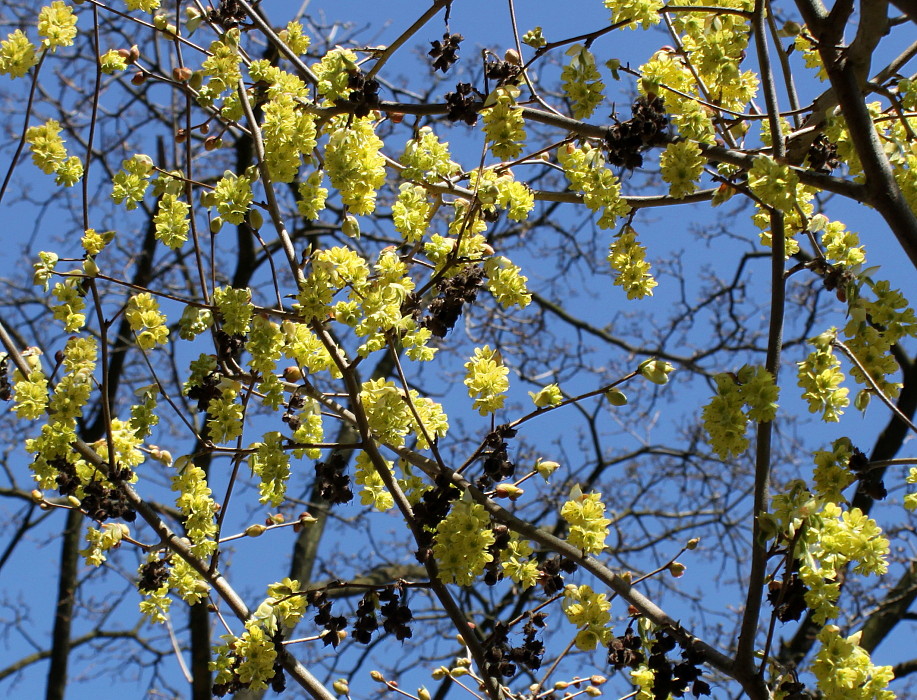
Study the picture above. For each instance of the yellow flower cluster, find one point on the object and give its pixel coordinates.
(462, 541)
(585, 170)
(585, 514)
(681, 164)
(591, 612)
(17, 55)
(354, 163)
(146, 321)
(485, 377)
(50, 155)
(582, 82)
(57, 25)
(628, 259)
(504, 126)
(271, 463)
(821, 378)
(196, 504)
(725, 421)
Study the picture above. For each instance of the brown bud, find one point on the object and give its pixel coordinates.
(125, 54)
(292, 374)
(182, 74)
(181, 136)
(396, 117)
(138, 78)
(212, 143)
(134, 54)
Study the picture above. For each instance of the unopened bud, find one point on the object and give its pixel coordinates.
(307, 519)
(561, 685)
(134, 54)
(90, 269)
(216, 223)
(508, 491)
(182, 74)
(616, 397)
(396, 117)
(341, 686)
(292, 374)
(692, 543)
(656, 371)
(350, 227)
(37, 496)
(597, 680)
(255, 530)
(592, 691)
(423, 694)
(138, 78)
(377, 676)
(677, 569)
(512, 56)
(255, 219)
(546, 468)
(74, 501)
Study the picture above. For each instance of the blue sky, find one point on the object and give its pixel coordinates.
(29, 576)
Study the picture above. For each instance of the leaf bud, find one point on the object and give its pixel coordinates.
(255, 530)
(861, 401)
(134, 54)
(306, 518)
(377, 676)
(74, 501)
(138, 78)
(182, 75)
(160, 22)
(592, 691)
(512, 56)
(37, 496)
(597, 680)
(692, 543)
(216, 223)
(212, 143)
(423, 694)
(561, 685)
(677, 569)
(341, 686)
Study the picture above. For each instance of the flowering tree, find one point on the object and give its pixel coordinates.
(282, 263)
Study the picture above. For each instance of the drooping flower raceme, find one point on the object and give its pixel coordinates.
(628, 259)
